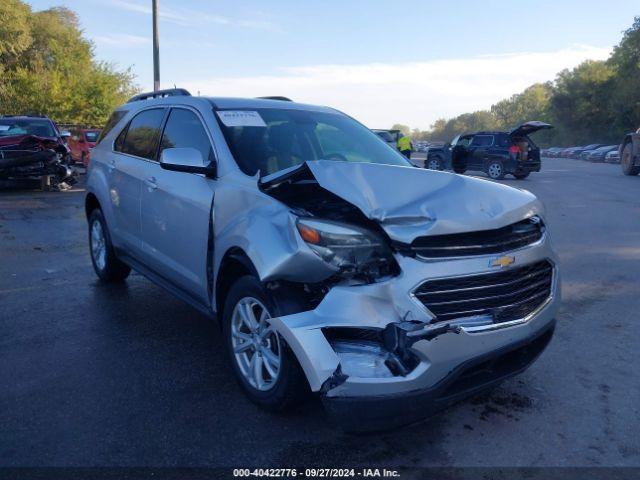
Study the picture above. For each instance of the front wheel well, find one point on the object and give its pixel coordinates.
(90, 204)
(234, 265)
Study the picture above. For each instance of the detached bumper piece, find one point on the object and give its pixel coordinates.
(376, 413)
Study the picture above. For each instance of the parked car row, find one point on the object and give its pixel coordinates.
(596, 152)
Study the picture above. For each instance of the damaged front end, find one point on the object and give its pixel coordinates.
(27, 159)
(395, 332)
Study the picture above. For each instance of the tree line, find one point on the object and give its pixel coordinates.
(596, 102)
(47, 67)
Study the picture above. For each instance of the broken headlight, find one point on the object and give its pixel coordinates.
(353, 250)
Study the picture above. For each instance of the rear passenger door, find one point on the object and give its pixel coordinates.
(176, 209)
(479, 151)
(133, 149)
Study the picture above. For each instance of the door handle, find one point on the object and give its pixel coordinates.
(150, 182)
(111, 164)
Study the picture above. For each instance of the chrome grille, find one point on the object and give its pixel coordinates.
(506, 295)
(511, 237)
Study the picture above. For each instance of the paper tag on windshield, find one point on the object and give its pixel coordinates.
(4, 128)
(241, 118)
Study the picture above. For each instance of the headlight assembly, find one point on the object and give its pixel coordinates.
(352, 250)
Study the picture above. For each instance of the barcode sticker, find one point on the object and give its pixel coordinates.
(241, 118)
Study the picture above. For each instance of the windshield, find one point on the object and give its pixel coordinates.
(92, 136)
(26, 126)
(273, 139)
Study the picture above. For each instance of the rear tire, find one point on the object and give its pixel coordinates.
(105, 263)
(495, 170)
(521, 176)
(253, 347)
(434, 163)
(627, 161)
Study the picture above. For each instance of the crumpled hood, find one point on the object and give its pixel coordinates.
(410, 202)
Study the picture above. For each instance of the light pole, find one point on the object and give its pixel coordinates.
(156, 48)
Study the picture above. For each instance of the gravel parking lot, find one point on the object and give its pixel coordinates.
(95, 375)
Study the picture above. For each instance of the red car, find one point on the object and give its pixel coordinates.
(82, 140)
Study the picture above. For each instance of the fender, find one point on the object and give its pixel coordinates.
(97, 185)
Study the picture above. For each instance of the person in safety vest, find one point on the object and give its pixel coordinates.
(404, 145)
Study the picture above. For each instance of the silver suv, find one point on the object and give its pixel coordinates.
(332, 264)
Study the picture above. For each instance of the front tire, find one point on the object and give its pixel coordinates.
(262, 362)
(495, 170)
(627, 161)
(105, 263)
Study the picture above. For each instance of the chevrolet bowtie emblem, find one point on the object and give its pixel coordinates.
(502, 262)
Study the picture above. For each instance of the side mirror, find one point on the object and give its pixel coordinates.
(65, 134)
(187, 160)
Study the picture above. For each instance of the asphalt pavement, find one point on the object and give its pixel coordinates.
(98, 375)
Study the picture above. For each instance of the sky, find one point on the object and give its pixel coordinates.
(382, 62)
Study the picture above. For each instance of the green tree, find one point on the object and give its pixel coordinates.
(580, 106)
(405, 129)
(52, 70)
(624, 91)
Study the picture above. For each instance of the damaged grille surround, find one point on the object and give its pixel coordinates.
(491, 299)
(485, 242)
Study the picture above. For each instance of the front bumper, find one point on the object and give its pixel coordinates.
(379, 412)
(441, 360)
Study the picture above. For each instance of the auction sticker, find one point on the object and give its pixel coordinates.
(241, 118)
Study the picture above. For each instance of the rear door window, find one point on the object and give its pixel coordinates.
(143, 134)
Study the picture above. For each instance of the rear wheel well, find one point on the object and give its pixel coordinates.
(90, 204)
(234, 265)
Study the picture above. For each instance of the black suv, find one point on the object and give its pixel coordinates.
(495, 153)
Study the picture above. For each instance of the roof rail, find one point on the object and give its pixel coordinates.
(170, 92)
(282, 99)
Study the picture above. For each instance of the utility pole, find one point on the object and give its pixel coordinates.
(156, 48)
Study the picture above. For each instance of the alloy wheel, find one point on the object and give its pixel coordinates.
(434, 165)
(256, 345)
(98, 245)
(495, 170)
